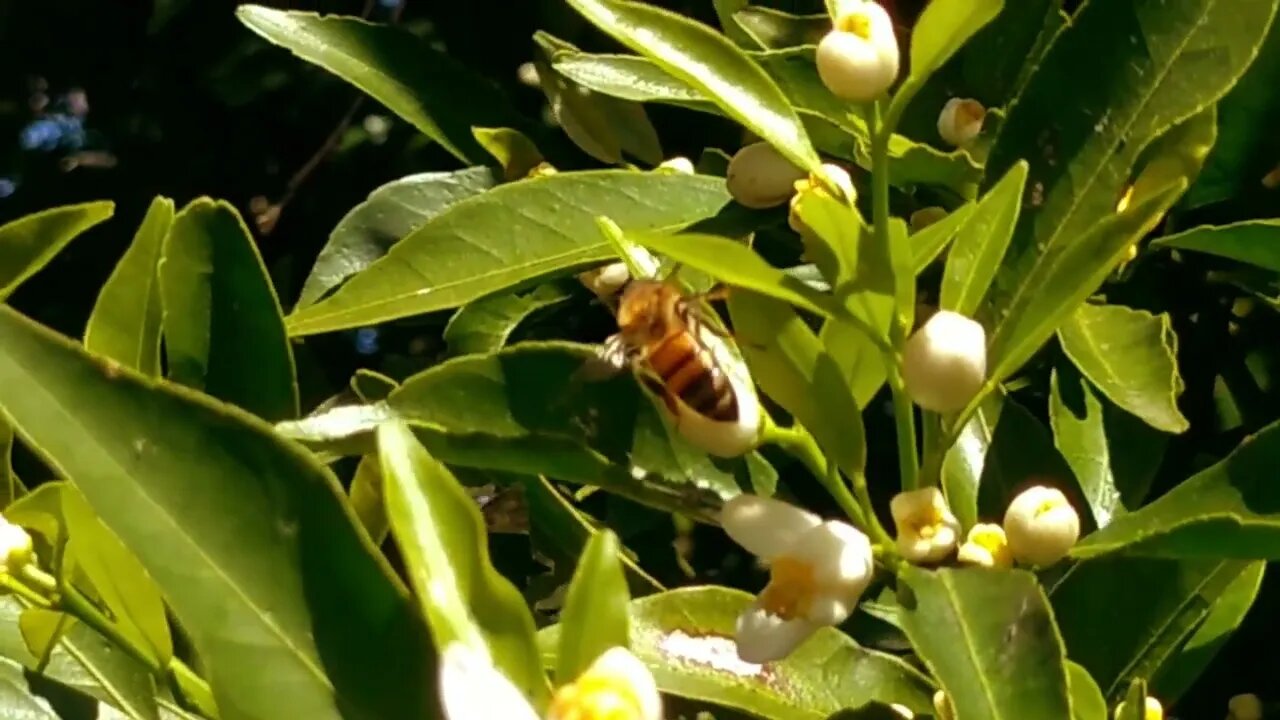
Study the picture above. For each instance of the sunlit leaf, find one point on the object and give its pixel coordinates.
(1256, 242)
(943, 28)
(595, 617)
(29, 243)
(980, 243)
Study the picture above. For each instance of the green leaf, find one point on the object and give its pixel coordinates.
(367, 499)
(391, 213)
(685, 636)
(1131, 356)
(126, 320)
(980, 243)
(1256, 242)
(371, 386)
(1229, 510)
(1087, 702)
(1223, 616)
(1149, 608)
(775, 30)
(965, 461)
(10, 485)
(29, 243)
(514, 152)
(484, 325)
(17, 701)
(975, 628)
(41, 629)
(706, 60)
(164, 468)
(1165, 63)
(512, 235)
(120, 580)
(223, 331)
(943, 28)
(1134, 702)
(441, 534)
(427, 87)
(929, 242)
(595, 617)
(1114, 455)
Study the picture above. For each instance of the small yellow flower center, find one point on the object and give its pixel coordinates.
(790, 590)
(595, 696)
(856, 23)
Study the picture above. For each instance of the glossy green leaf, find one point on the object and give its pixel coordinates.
(391, 213)
(980, 243)
(725, 10)
(10, 485)
(1114, 455)
(367, 499)
(514, 152)
(1087, 702)
(484, 325)
(1165, 62)
(1256, 242)
(706, 60)
(512, 235)
(793, 368)
(976, 628)
(775, 30)
(126, 320)
(223, 331)
(685, 636)
(1148, 607)
(441, 534)
(1223, 616)
(595, 616)
(120, 580)
(29, 243)
(929, 242)
(965, 461)
(1230, 510)
(943, 28)
(41, 629)
(428, 88)
(164, 468)
(1131, 356)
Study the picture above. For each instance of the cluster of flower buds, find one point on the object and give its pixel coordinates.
(944, 363)
(858, 60)
(1040, 528)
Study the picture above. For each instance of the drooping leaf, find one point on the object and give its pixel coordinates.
(126, 320)
(703, 58)
(1124, 618)
(510, 236)
(595, 616)
(485, 324)
(1087, 702)
(685, 636)
(1229, 510)
(975, 628)
(223, 328)
(427, 87)
(441, 533)
(164, 468)
(1256, 242)
(943, 28)
(980, 243)
(29, 243)
(391, 213)
(1131, 356)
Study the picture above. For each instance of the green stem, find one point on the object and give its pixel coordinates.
(797, 442)
(17, 587)
(934, 450)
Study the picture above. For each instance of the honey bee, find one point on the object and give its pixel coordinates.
(660, 337)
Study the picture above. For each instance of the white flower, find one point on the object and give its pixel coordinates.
(927, 530)
(1041, 526)
(1244, 707)
(942, 707)
(986, 546)
(835, 175)
(606, 280)
(858, 59)
(945, 362)
(961, 121)
(760, 177)
(616, 685)
(680, 165)
(1152, 710)
(16, 548)
(818, 571)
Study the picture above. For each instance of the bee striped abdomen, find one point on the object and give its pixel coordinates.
(691, 373)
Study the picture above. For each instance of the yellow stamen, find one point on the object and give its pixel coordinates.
(790, 590)
(595, 697)
(856, 23)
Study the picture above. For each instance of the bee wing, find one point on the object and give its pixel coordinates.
(612, 358)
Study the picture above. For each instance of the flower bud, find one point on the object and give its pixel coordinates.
(680, 165)
(760, 177)
(942, 707)
(1151, 710)
(1041, 526)
(986, 546)
(945, 362)
(926, 216)
(927, 531)
(961, 121)
(16, 549)
(1244, 707)
(858, 59)
(835, 175)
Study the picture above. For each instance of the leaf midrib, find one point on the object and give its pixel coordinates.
(970, 645)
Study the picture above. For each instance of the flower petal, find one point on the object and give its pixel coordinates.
(764, 526)
(471, 688)
(840, 556)
(620, 663)
(763, 637)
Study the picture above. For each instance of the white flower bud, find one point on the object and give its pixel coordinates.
(945, 362)
(1151, 710)
(1244, 707)
(927, 531)
(760, 177)
(606, 280)
(16, 549)
(961, 121)
(986, 546)
(858, 59)
(680, 165)
(835, 175)
(1041, 526)
(942, 709)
